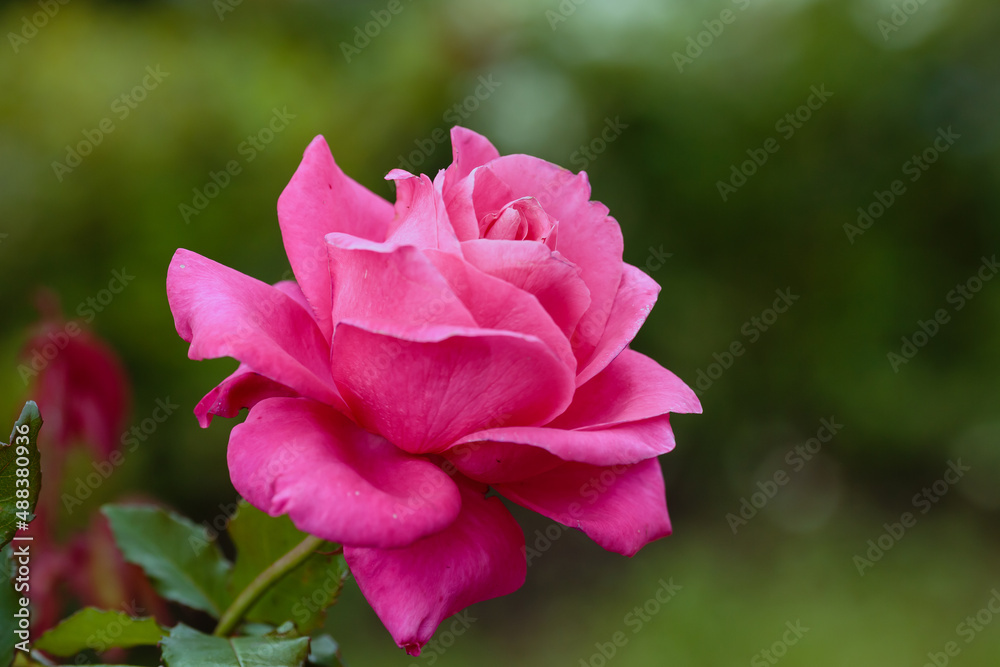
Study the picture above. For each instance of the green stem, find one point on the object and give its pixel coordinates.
(263, 581)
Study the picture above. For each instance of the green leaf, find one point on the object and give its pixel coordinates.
(303, 594)
(324, 652)
(99, 631)
(182, 564)
(189, 648)
(20, 454)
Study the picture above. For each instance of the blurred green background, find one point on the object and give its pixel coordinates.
(558, 74)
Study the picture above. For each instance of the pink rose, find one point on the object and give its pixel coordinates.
(473, 336)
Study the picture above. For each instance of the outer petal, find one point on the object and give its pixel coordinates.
(494, 461)
(424, 392)
(588, 236)
(224, 313)
(532, 267)
(242, 389)
(319, 200)
(630, 388)
(622, 508)
(619, 417)
(421, 219)
(498, 455)
(635, 298)
(413, 589)
(336, 481)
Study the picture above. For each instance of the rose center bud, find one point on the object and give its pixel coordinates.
(520, 220)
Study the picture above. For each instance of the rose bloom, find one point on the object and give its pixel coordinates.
(472, 337)
(79, 383)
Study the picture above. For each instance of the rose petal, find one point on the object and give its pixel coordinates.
(588, 236)
(470, 199)
(619, 417)
(622, 508)
(470, 150)
(496, 457)
(321, 199)
(335, 480)
(630, 388)
(291, 289)
(633, 302)
(224, 313)
(489, 193)
(245, 388)
(519, 220)
(412, 589)
(496, 304)
(381, 284)
(424, 391)
(242, 389)
(495, 461)
(421, 219)
(532, 267)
